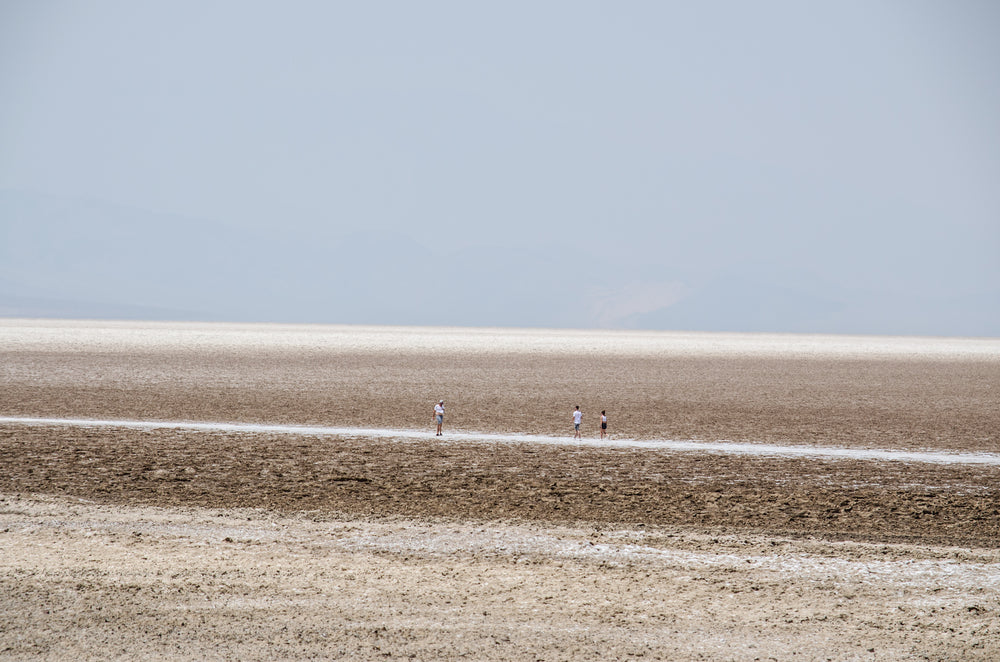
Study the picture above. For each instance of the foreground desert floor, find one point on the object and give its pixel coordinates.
(119, 542)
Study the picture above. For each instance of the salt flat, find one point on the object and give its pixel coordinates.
(273, 492)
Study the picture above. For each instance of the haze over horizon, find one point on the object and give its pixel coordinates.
(780, 167)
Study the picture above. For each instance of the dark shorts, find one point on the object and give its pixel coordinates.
(576, 426)
(604, 426)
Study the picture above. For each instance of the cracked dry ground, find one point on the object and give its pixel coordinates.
(894, 403)
(842, 499)
(913, 510)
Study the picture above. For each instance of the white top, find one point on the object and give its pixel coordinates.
(439, 410)
(577, 416)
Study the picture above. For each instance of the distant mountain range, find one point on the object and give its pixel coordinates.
(81, 259)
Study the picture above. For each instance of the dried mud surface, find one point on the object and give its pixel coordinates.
(161, 544)
(852, 500)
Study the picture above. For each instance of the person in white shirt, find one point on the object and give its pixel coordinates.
(577, 419)
(439, 416)
(604, 423)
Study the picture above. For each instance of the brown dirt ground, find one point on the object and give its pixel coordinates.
(103, 593)
(851, 500)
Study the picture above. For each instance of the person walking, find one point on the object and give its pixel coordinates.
(439, 416)
(604, 423)
(577, 420)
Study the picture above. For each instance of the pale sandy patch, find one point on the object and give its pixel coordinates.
(116, 582)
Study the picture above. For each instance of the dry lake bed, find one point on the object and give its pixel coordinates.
(231, 492)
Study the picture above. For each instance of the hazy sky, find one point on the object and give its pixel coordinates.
(782, 166)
